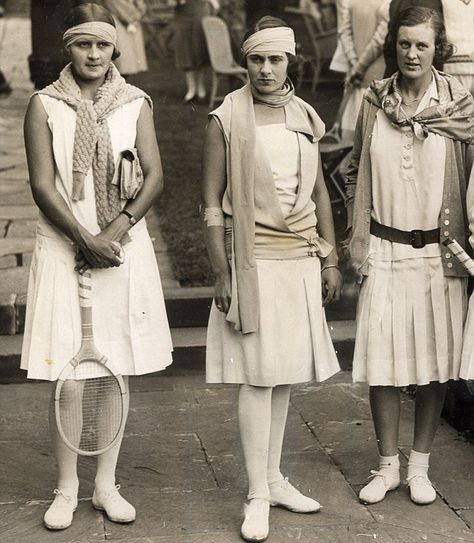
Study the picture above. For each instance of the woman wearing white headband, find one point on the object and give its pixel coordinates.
(267, 328)
(75, 131)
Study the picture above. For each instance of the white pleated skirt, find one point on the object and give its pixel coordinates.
(467, 360)
(409, 324)
(129, 317)
(292, 344)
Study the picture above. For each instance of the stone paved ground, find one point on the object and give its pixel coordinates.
(181, 462)
(181, 465)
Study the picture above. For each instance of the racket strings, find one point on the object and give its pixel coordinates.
(91, 408)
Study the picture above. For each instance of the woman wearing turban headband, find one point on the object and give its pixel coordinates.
(75, 132)
(274, 260)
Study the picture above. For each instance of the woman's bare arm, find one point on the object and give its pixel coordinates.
(331, 277)
(213, 188)
(39, 153)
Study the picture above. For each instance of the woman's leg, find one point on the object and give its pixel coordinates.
(60, 513)
(255, 408)
(191, 84)
(385, 407)
(254, 415)
(106, 496)
(201, 87)
(279, 406)
(282, 493)
(428, 406)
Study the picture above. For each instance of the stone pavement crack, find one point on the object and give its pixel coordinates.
(208, 460)
(160, 473)
(7, 228)
(324, 449)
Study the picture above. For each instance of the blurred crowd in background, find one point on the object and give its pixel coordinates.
(344, 37)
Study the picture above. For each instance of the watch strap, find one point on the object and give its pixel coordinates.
(131, 218)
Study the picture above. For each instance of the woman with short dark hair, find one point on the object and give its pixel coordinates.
(406, 188)
(267, 328)
(75, 132)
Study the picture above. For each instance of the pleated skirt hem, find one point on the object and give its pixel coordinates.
(467, 361)
(409, 324)
(292, 344)
(129, 316)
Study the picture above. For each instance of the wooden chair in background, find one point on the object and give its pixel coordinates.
(314, 44)
(222, 61)
(157, 25)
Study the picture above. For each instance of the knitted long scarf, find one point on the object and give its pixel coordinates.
(452, 118)
(92, 142)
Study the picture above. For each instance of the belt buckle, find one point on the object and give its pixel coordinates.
(417, 239)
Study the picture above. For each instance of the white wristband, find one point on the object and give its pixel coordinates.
(213, 216)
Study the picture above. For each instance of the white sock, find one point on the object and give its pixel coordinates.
(280, 400)
(418, 463)
(389, 463)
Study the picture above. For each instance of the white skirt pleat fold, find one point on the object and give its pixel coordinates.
(409, 323)
(129, 317)
(467, 361)
(292, 344)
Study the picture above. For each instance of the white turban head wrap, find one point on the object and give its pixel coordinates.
(280, 38)
(95, 29)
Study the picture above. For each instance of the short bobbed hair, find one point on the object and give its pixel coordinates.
(268, 21)
(89, 13)
(416, 16)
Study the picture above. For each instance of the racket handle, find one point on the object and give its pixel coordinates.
(460, 254)
(85, 288)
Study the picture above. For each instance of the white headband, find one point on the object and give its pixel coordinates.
(97, 29)
(280, 38)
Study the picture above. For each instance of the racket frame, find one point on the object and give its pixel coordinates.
(88, 353)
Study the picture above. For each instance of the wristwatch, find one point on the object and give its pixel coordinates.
(131, 219)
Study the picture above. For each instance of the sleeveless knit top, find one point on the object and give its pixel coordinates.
(62, 123)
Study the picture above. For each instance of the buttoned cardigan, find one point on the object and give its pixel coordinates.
(358, 177)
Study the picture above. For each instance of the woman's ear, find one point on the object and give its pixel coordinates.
(66, 53)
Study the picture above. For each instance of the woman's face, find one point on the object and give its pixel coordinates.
(91, 58)
(415, 50)
(267, 71)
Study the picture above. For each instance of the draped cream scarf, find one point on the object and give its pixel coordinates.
(243, 312)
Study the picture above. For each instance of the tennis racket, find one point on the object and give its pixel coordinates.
(91, 397)
(460, 254)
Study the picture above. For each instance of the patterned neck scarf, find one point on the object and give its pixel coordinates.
(92, 142)
(452, 118)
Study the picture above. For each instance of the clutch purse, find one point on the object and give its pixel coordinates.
(128, 174)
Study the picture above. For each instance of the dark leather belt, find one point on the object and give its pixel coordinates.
(416, 238)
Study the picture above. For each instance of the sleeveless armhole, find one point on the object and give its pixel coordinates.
(48, 104)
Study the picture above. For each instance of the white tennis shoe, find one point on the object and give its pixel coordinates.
(115, 506)
(60, 512)
(421, 489)
(256, 526)
(382, 481)
(284, 494)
